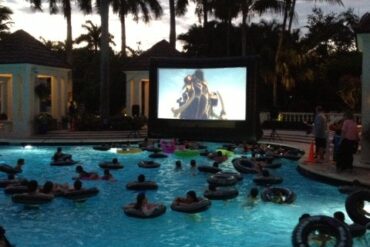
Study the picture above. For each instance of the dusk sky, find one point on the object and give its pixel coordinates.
(53, 27)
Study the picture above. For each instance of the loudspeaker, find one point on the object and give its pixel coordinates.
(135, 110)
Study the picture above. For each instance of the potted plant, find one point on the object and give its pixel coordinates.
(42, 122)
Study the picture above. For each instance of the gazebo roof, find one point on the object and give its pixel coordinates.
(160, 49)
(364, 25)
(21, 47)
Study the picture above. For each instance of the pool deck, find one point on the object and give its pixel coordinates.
(324, 172)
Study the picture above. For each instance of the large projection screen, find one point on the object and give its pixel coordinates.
(202, 94)
(203, 99)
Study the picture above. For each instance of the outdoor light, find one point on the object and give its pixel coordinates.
(28, 146)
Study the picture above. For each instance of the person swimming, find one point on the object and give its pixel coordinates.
(82, 174)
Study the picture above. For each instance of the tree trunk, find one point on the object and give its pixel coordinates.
(123, 34)
(291, 15)
(244, 29)
(67, 15)
(205, 13)
(278, 52)
(104, 60)
(172, 23)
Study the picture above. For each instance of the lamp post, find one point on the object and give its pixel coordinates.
(363, 44)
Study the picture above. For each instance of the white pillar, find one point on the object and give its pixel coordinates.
(363, 40)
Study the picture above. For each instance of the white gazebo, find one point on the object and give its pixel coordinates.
(137, 77)
(25, 63)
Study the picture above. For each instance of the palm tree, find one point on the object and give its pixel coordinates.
(288, 14)
(202, 8)
(92, 37)
(104, 59)
(135, 7)
(226, 10)
(65, 5)
(249, 7)
(5, 20)
(177, 8)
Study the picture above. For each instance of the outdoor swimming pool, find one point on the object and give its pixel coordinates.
(100, 221)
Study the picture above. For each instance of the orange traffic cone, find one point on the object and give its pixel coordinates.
(311, 155)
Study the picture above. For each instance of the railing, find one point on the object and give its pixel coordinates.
(305, 117)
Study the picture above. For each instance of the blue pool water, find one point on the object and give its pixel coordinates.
(100, 221)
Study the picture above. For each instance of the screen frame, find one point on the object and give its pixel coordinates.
(203, 130)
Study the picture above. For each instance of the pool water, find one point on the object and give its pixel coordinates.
(100, 221)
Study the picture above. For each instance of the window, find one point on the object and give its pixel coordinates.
(43, 91)
(3, 98)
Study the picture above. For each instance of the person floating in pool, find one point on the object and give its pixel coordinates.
(107, 175)
(196, 102)
(178, 165)
(60, 156)
(82, 174)
(143, 205)
(193, 167)
(252, 197)
(4, 242)
(12, 170)
(191, 197)
(51, 188)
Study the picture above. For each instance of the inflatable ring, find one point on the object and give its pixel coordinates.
(244, 165)
(102, 148)
(110, 165)
(187, 153)
(129, 150)
(357, 216)
(222, 194)
(9, 169)
(63, 163)
(220, 179)
(146, 185)
(237, 175)
(30, 199)
(325, 224)
(131, 211)
(269, 194)
(4, 183)
(157, 156)
(81, 195)
(209, 169)
(348, 189)
(16, 189)
(271, 165)
(260, 180)
(148, 164)
(152, 149)
(192, 208)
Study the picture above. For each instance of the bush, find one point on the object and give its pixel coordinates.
(44, 122)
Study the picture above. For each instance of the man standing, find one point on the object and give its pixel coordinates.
(321, 133)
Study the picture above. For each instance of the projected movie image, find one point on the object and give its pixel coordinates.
(202, 94)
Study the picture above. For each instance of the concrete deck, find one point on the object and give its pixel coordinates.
(324, 172)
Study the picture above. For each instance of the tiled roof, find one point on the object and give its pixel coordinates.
(21, 47)
(160, 49)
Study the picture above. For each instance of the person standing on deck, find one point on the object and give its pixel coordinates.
(320, 131)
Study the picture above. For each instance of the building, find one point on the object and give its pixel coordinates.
(33, 80)
(137, 77)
